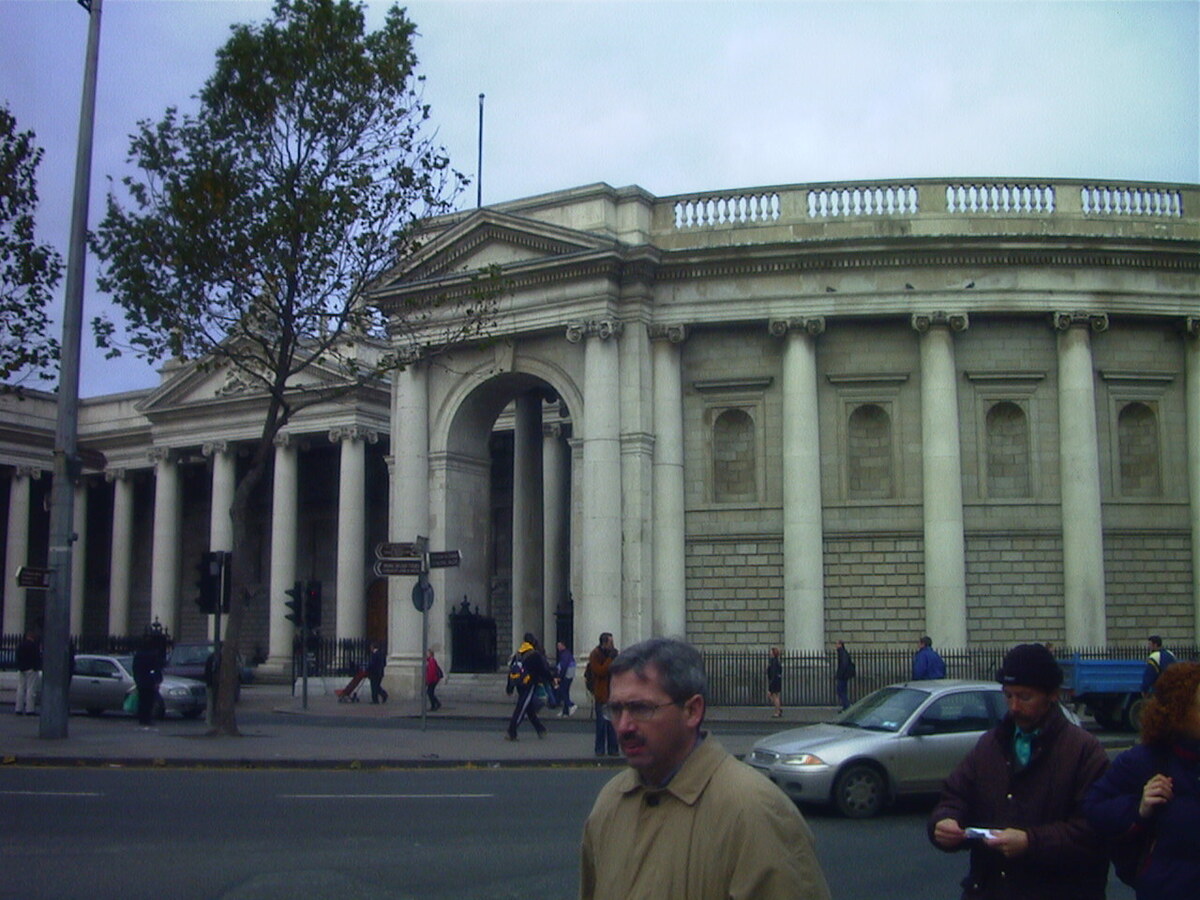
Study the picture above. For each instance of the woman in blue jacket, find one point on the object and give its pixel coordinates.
(1148, 802)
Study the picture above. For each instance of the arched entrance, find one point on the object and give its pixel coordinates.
(505, 480)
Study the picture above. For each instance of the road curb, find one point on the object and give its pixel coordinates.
(69, 762)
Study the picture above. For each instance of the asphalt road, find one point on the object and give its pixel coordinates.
(374, 835)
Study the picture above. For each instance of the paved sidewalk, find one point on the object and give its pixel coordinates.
(278, 731)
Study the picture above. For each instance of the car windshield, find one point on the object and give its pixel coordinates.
(190, 656)
(885, 710)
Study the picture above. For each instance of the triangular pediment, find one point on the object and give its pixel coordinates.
(490, 238)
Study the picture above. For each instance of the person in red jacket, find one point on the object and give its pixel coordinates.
(1016, 800)
(433, 674)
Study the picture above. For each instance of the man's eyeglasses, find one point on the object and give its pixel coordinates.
(638, 710)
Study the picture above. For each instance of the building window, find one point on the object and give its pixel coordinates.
(1008, 470)
(870, 453)
(734, 458)
(1137, 442)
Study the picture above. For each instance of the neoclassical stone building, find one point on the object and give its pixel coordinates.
(780, 415)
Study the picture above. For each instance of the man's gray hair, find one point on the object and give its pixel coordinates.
(679, 665)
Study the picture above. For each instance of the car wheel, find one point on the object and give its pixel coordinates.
(860, 791)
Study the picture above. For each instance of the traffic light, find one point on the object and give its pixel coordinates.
(296, 604)
(312, 605)
(209, 581)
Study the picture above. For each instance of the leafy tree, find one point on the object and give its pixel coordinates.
(256, 226)
(29, 271)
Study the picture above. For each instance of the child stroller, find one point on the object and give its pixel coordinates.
(349, 694)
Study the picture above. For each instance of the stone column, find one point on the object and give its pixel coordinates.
(121, 558)
(220, 523)
(803, 523)
(635, 413)
(527, 583)
(79, 555)
(1079, 468)
(283, 552)
(599, 607)
(408, 518)
(164, 562)
(17, 549)
(1192, 355)
(556, 509)
(941, 464)
(669, 616)
(351, 597)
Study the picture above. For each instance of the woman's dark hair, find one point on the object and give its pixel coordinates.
(1174, 693)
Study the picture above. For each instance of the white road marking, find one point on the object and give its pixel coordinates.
(386, 796)
(50, 794)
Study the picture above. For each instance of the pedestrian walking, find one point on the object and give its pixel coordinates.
(1016, 800)
(147, 676)
(433, 676)
(1156, 663)
(565, 670)
(595, 678)
(29, 675)
(842, 674)
(687, 819)
(376, 663)
(927, 662)
(529, 676)
(775, 683)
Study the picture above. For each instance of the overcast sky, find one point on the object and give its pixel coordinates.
(673, 96)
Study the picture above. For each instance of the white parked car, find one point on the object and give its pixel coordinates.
(902, 739)
(101, 683)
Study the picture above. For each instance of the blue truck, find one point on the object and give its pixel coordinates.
(1109, 689)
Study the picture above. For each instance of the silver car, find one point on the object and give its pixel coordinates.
(101, 683)
(902, 739)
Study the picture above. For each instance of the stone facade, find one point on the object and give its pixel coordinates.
(779, 416)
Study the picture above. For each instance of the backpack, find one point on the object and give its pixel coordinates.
(589, 679)
(517, 676)
(851, 670)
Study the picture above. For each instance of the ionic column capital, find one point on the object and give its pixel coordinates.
(555, 430)
(601, 328)
(29, 472)
(922, 323)
(283, 440)
(212, 448)
(810, 325)
(114, 475)
(353, 433)
(160, 454)
(675, 334)
(1064, 321)
(1191, 327)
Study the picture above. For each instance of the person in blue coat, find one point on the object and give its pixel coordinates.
(1148, 802)
(927, 662)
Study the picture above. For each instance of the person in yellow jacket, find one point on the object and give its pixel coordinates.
(687, 819)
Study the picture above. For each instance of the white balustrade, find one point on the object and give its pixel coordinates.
(1131, 201)
(999, 198)
(866, 200)
(737, 209)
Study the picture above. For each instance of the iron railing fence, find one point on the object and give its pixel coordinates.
(739, 677)
(330, 656)
(106, 644)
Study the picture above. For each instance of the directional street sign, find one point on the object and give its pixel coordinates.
(396, 550)
(33, 577)
(441, 559)
(384, 567)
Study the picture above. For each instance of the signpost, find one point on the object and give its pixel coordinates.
(393, 559)
(33, 577)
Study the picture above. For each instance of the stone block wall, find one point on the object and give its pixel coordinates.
(875, 590)
(1148, 580)
(735, 592)
(1014, 588)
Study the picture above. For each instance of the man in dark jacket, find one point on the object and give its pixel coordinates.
(1023, 784)
(927, 662)
(147, 675)
(845, 671)
(534, 672)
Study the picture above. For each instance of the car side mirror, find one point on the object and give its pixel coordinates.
(922, 728)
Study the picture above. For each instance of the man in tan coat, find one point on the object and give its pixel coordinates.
(686, 819)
